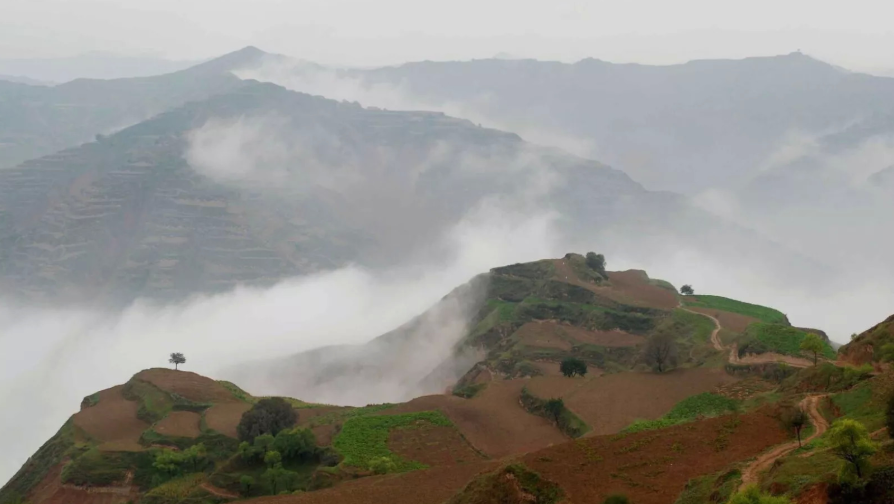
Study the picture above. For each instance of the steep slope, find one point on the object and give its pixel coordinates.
(37, 120)
(866, 347)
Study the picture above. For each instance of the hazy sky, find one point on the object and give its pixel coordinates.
(357, 32)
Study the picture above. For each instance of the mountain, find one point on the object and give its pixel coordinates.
(18, 79)
(708, 423)
(867, 347)
(91, 65)
(38, 120)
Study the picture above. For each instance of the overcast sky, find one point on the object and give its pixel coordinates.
(857, 33)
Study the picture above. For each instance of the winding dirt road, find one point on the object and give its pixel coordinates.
(810, 405)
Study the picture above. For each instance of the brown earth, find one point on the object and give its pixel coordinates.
(810, 404)
(652, 467)
(746, 388)
(430, 486)
(180, 424)
(630, 287)
(50, 490)
(224, 417)
(816, 494)
(550, 368)
(542, 335)
(324, 434)
(609, 403)
(189, 385)
(308, 416)
(551, 334)
(113, 422)
(433, 445)
(731, 321)
(493, 421)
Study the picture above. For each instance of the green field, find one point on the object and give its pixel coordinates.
(365, 438)
(705, 404)
(782, 339)
(759, 312)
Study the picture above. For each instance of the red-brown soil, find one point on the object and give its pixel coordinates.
(189, 385)
(307, 415)
(746, 388)
(431, 486)
(113, 421)
(630, 287)
(324, 434)
(493, 421)
(180, 424)
(551, 334)
(652, 467)
(609, 403)
(51, 491)
(224, 417)
(433, 445)
(731, 321)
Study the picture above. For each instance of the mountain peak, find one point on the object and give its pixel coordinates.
(246, 57)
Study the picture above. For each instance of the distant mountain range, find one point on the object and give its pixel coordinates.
(91, 65)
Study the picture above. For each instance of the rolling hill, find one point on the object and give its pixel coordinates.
(691, 434)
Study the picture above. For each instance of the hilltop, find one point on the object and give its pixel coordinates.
(492, 416)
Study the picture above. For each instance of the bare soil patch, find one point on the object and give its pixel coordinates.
(653, 467)
(550, 368)
(433, 445)
(611, 402)
(308, 415)
(180, 424)
(113, 421)
(542, 334)
(633, 287)
(493, 421)
(324, 434)
(430, 486)
(50, 490)
(730, 321)
(189, 385)
(548, 387)
(224, 417)
(551, 334)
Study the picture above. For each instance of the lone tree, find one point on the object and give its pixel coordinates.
(573, 366)
(555, 407)
(851, 443)
(661, 351)
(596, 262)
(267, 416)
(176, 359)
(813, 344)
(796, 419)
(686, 290)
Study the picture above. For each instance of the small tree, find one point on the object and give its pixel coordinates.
(851, 443)
(246, 482)
(813, 344)
(752, 495)
(176, 359)
(573, 366)
(555, 407)
(596, 262)
(296, 444)
(796, 419)
(273, 459)
(661, 351)
(267, 416)
(687, 290)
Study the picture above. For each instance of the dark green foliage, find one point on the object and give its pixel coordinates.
(468, 391)
(267, 416)
(555, 411)
(95, 468)
(176, 463)
(879, 489)
(572, 366)
(795, 419)
(687, 290)
(176, 359)
(616, 499)
(296, 444)
(246, 483)
(596, 262)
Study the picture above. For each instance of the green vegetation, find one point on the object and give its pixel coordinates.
(572, 366)
(795, 473)
(786, 340)
(468, 391)
(554, 410)
(616, 499)
(687, 410)
(712, 488)
(237, 392)
(753, 495)
(814, 345)
(155, 403)
(687, 290)
(267, 416)
(94, 467)
(596, 262)
(850, 442)
(664, 284)
(826, 377)
(364, 439)
(762, 313)
(795, 419)
(176, 463)
(504, 485)
(700, 326)
(176, 359)
(185, 489)
(889, 416)
(90, 401)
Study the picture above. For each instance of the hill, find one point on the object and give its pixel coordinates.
(693, 434)
(866, 347)
(257, 184)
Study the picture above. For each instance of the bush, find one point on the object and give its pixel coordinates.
(573, 366)
(617, 499)
(752, 495)
(382, 465)
(267, 416)
(554, 410)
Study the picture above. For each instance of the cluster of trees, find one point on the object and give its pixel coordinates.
(572, 366)
(176, 463)
(596, 262)
(293, 445)
(267, 416)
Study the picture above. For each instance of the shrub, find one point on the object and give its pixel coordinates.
(468, 391)
(573, 366)
(382, 465)
(554, 410)
(267, 416)
(752, 495)
(795, 419)
(687, 290)
(617, 499)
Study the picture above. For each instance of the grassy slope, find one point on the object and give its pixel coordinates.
(783, 339)
(687, 410)
(759, 312)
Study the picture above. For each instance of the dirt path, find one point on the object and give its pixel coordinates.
(810, 405)
(219, 492)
